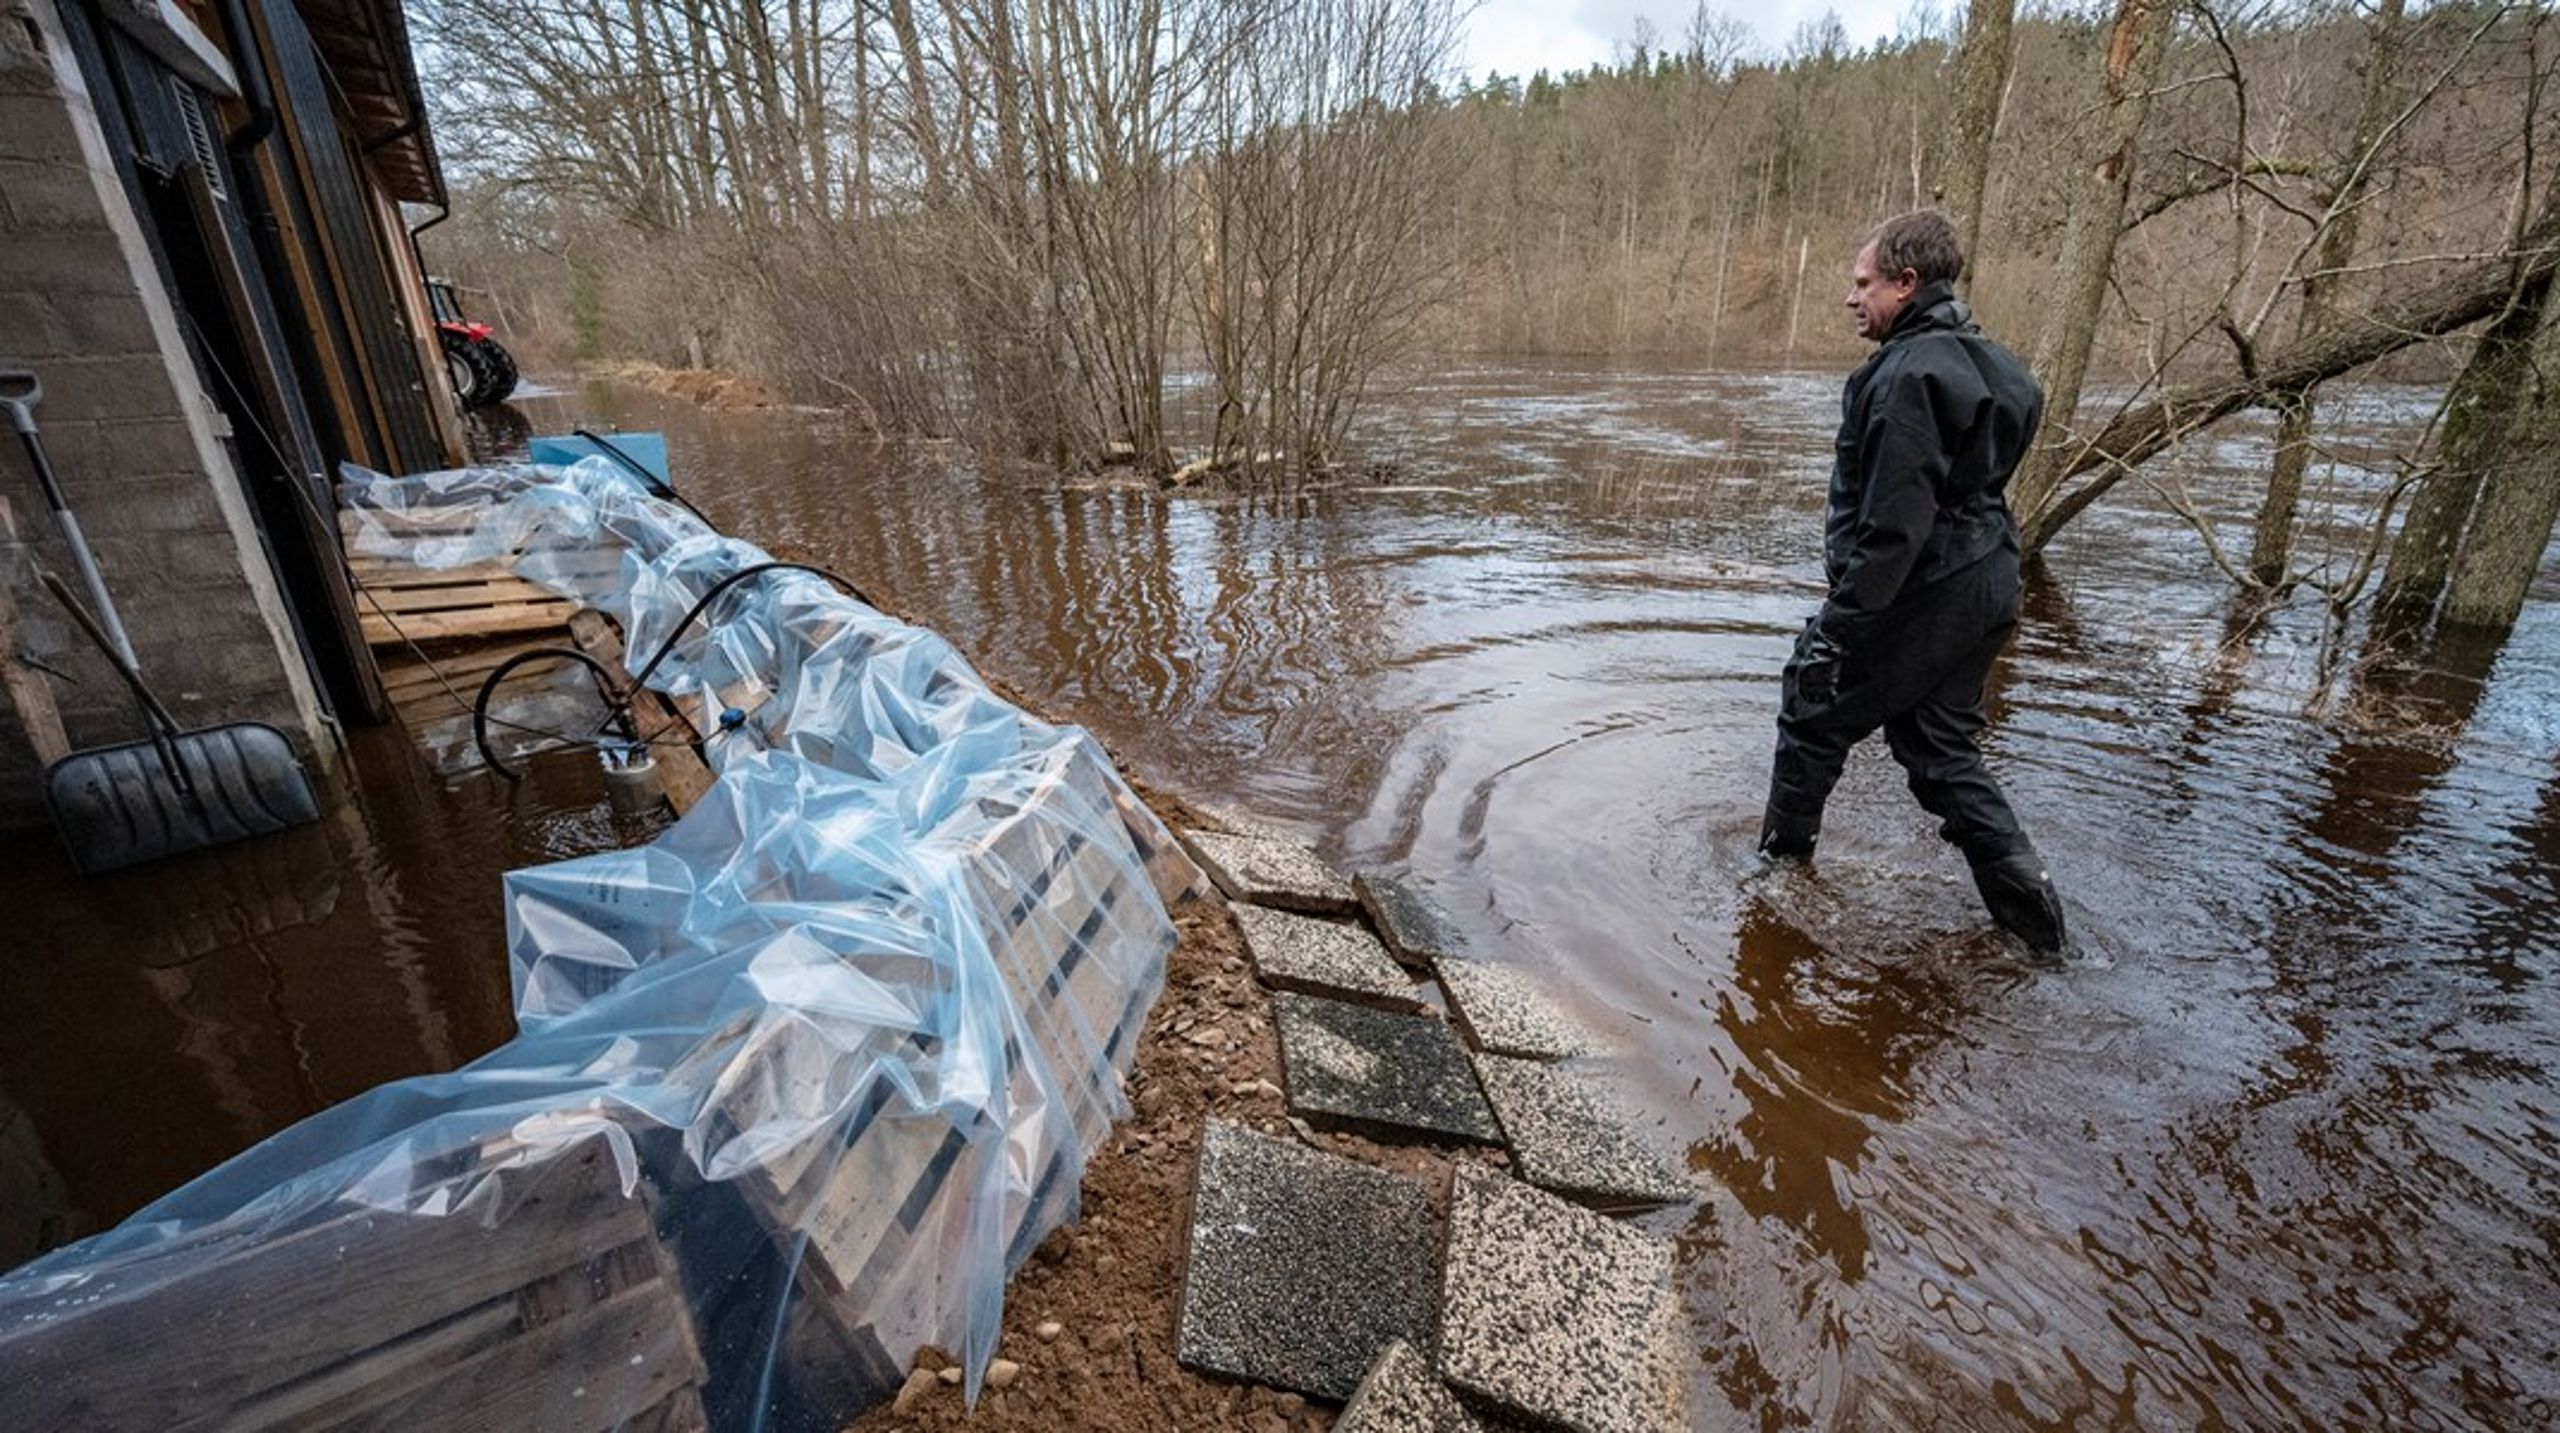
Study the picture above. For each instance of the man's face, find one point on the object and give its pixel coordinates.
(1877, 299)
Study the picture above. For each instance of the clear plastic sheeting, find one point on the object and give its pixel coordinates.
(796, 1085)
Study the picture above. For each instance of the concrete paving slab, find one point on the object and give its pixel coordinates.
(1380, 1072)
(1567, 1135)
(1403, 1394)
(1557, 1316)
(1303, 1266)
(1417, 930)
(1267, 871)
(1500, 1009)
(1236, 822)
(1322, 957)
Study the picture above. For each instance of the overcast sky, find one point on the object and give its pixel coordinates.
(1520, 37)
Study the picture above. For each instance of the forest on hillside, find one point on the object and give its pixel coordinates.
(1025, 222)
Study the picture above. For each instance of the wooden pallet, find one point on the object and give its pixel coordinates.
(858, 1231)
(563, 1312)
(428, 693)
(401, 604)
(673, 746)
(479, 616)
(860, 1204)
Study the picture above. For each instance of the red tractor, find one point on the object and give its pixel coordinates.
(481, 370)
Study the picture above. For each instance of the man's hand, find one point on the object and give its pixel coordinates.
(1817, 665)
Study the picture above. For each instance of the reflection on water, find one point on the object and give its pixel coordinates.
(160, 1019)
(2278, 1149)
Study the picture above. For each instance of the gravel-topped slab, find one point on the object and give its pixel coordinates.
(1322, 957)
(1402, 1394)
(1500, 1009)
(1380, 1072)
(1556, 1315)
(1566, 1135)
(1243, 823)
(1303, 1266)
(1418, 932)
(1267, 871)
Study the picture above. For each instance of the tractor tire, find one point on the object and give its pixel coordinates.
(499, 366)
(463, 370)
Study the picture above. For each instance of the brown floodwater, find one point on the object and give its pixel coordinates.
(2280, 1146)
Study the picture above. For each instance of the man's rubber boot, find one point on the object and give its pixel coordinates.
(1786, 836)
(2021, 899)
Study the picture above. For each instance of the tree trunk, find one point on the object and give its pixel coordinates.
(1981, 80)
(861, 197)
(1795, 311)
(920, 117)
(1724, 258)
(2271, 552)
(2135, 44)
(2478, 410)
(2449, 305)
(2519, 499)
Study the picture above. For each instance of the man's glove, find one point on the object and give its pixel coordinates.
(1817, 665)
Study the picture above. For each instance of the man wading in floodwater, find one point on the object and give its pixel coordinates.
(1923, 561)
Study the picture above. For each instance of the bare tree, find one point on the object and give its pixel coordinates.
(1981, 85)
(2478, 409)
(2519, 497)
(2135, 43)
(2143, 430)
(2271, 554)
(1318, 180)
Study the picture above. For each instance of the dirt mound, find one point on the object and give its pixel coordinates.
(710, 387)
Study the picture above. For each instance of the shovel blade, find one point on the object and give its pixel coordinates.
(116, 806)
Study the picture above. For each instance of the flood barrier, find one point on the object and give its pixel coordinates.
(796, 1085)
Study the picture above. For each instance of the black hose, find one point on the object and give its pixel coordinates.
(656, 485)
(640, 678)
(621, 708)
(488, 687)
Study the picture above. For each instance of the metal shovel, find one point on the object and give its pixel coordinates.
(176, 790)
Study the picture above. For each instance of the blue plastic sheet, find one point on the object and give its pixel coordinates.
(796, 1086)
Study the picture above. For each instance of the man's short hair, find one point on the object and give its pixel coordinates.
(1923, 242)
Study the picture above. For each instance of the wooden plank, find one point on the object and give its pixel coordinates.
(374, 571)
(400, 628)
(456, 596)
(30, 695)
(601, 568)
(334, 1391)
(459, 597)
(582, 1374)
(260, 1315)
(434, 704)
(364, 1388)
(682, 775)
(1170, 869)
(448, 520)
(407, 678)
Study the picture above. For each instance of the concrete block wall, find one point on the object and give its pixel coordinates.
(134, 443)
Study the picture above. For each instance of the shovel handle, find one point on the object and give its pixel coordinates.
(161, 722)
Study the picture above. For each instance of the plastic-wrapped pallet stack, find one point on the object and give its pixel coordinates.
(796, 1085)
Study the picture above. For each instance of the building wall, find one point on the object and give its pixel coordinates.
(349, 270)
(409, 281)
(133, 441)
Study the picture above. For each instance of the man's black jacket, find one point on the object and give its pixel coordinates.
(1930, 430)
